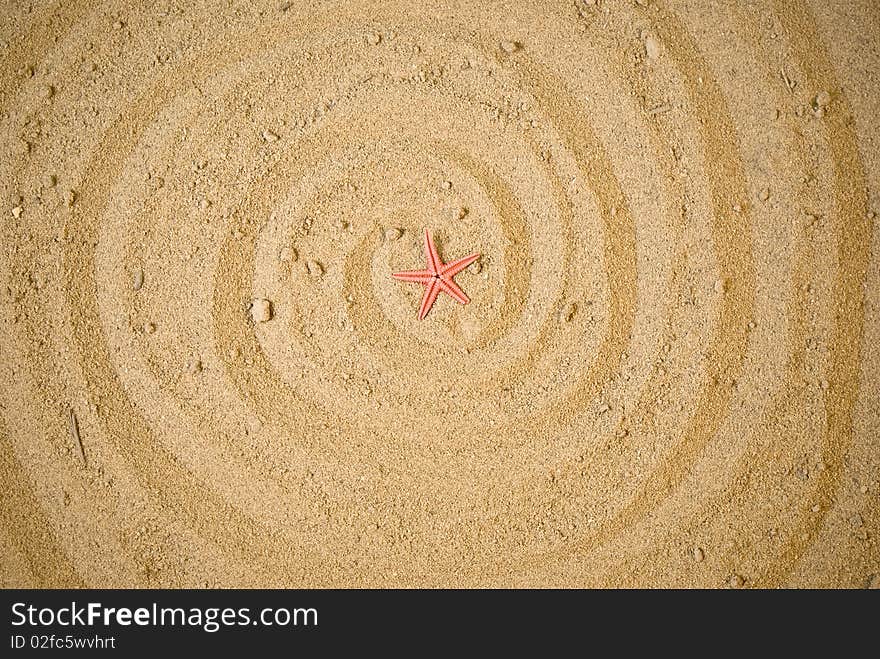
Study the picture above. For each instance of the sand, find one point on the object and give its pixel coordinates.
(669, 373)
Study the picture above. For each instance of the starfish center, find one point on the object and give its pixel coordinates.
(437, 277)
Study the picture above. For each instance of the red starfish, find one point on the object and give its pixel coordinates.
(438, 276)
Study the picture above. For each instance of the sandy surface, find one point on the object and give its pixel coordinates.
(668, 374)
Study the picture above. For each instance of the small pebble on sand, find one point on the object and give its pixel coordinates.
(270, 136)
(462, 212)
(314, 268)
(194, 366)
(446, 185)
(652, 48)
(476, 267)
(764, 194)
(720, 285)
(736, 581)
(16, 212)
(510, 47)
(137, 280)
(261, 310)
(392, 234)
(698, 554)
(373, 38)
(149, 328)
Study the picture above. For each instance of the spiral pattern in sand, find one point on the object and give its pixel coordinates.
(667, 375)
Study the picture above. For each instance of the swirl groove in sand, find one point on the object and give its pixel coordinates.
(667, 374)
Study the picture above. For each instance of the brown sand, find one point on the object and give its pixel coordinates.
(668, 375)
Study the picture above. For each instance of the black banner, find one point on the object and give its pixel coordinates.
(134, 621)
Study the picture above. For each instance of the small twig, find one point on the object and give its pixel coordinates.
(74, 434)
(788, 81)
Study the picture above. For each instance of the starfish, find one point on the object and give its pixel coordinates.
(437, 277)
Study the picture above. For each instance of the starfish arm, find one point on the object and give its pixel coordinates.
(451, 288)
(431, 293)
(434, 262)
(454, 267)
(417, 276)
